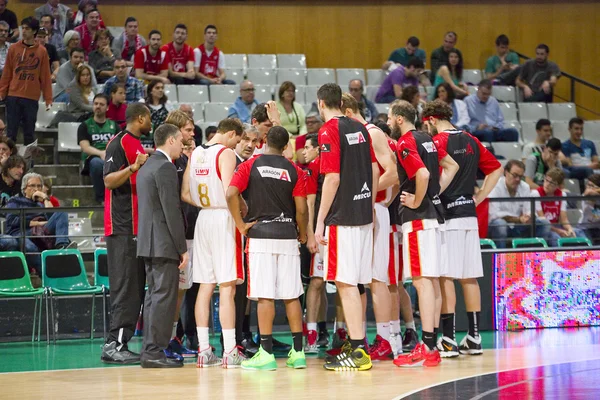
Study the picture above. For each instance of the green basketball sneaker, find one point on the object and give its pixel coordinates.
(262, 361)
(296, 359)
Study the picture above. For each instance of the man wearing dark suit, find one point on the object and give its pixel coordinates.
(161, 244)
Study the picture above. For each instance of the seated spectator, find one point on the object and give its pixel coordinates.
(102, 58)
(538, 76)
(211, 131)
(441, 55)
(93, 135)
(292, 114)
(452, 74)
(313, 124)
(134, 88)
(512, 219)
(66, 74)
(460, 114)
(543, 129)
(391, 88)
(580, 156)
(7, 149)
(591, 209)
(181, 58)
(37, 224)
(10, 18)
(413, 96)
(61, 13)
(404, 54)
(41, 37)
(209, 61)
(539, 163)
(503, 65)
(4, 45)
(87, 30)
(83, 7)
(117, 105)
(125, 46)
(82, 92)
(150, 62)
(71, 41)
(55, 36)
(12, 172)
(47, 189)
(487, 120)
(382, 117)
(555, 212)
(186, 108)
(244, 104)
(357, 90)
(157, 102)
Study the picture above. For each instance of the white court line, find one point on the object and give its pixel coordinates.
(45, 371)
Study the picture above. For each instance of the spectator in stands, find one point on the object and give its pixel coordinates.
(156, 100)
(62, 14)
(209, 61)
(12, 172)
(413, 96)
(117, 105)
(460, 114)
(41, 38)
(134, 88)
(10, 18)
(82, 92)
(186, 108)
(502, 65)
(55, 37)
(7, 149)
(538, 164)
(181, 57)
(539, 76)
(441, 55)
(87, 31)
(83, 7)
(93, 135)
(543, 129)
(487, 120)
(404, 54)
(357, 91)
(26, 74)
(125, 46)
(391, 88)
(580, 155)
(313, 124)
(71, 41)
(512, 219)
(244, 104)
(102, 58)
(292, 113)
(66, 74)
(4, 45)
(211, 131)
(591, 208)
(47, 189)
(452, 74)
(150, 62)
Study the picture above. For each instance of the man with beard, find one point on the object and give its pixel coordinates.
(181, 57)
(538, 76)
(150, 62)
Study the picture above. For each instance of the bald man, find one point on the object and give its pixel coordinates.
(243, 106)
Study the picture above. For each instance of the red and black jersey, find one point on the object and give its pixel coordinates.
(346, 149)
(151, 64)
(469, 154)
(121, 204)
(314, 182)
(272, 182)
(416, 150)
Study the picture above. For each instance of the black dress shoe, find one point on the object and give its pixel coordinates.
(249, 347)
(162, 363)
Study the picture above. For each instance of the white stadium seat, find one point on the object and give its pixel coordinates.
(320, 76)
(591, 130)
(509, 110)
(263, 93)
(224, 93)
(192, 94)
(295, 75)
(382, 108)
(291, 61)
(262, 76)
(375, 77)
(472, 76)
(235, 74)
(236, 61)
(528, 131)
(300, 93)
(509, 150)
(560, 130)
(67, 136)
(171, 93)
(371, 92)
(44, 118)
(310, 93)
(216, 111)
(505, 93)
(561, 111)
(345, 75)
(532, 111)
(262, 61)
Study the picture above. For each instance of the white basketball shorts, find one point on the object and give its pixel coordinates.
(463, 251)
(421, 248)
(349, 254)
(381, 244)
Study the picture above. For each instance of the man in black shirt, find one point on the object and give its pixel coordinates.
(42, 38)
(11, 19)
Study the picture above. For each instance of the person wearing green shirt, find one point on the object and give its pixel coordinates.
(404, 54)
(504, 64)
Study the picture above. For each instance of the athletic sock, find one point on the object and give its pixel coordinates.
(246, 324)
(266, 342)
(203, 341)
(339, 325)
(383, 330)
(297, 338)
(228, 339)
(429, 340)
(174, 330)
(411, 325)
(395, 326)
(322, 326)
(311, 326)
(357, 343)
(473, 324)
(448, 326)
(435, 335)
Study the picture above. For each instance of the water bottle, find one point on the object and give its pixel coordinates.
(216, 320)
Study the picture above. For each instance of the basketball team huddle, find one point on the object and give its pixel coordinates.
(374, 210)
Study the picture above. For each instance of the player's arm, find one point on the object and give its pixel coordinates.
(114, 179)
(302, 218)
(386, 159)
(449, 170)
(185, 187)
(395, 192)
(421, 182)
(238, 184)
(376, 176)
(489, 183)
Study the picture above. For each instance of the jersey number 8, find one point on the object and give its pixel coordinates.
(203, 194)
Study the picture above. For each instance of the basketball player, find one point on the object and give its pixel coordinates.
(217, 251)
(351, 177)
(386, 162)
(462, 235)
(264, 117)
(276, 198)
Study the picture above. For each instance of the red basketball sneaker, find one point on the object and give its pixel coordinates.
(380, 349)
(421, 355)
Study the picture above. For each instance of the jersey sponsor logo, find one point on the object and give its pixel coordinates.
(405, 153)
(461, 201)
(429, 146)
(365, 193)
(102, 137)
(281, 218)
(355, 138)
(202, 171)
(109, 160)
(274, 173)
(467, 150)
(325, 147)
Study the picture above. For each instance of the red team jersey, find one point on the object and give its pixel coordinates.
(180, 59)
(551, 209)
(152, 65)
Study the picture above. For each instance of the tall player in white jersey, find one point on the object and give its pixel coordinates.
(382, 301)
(217, 254)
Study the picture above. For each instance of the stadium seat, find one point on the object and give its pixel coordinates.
(371, 92)
(307, 107)
(262, 61)
(574, 242)
(591, 130)
(375, 77)
(115, 31)
(236, 61)
(561, 111)
(263, 93)
(430, 90)
(192, 94)
(80, 231)
(345, 75)
(513, 124)
(100, 88)
(504, 93)
(509, 110)
(101, 280)
(487, 244)
(300, 93)
(204, 125)
(198, 110)
(216, 111)
(224, 93)
(310, 94)
(529, 242)
(574, 215)
(472, 76)
(295, 75)
(171, 93)
(382, 108)
(508, 150)
(560, 130)
(235, 74)
(572, 186)
(532, 111)
(44, 118)
(67, 136)
(472, 89)
(291, 61)
(320, 76)
(262, 76)
(528, 131)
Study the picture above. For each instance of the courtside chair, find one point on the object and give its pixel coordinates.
(63, 274)
(320, 76)
(505, 93)
(262, 76)
(509, 110)
(291, 61)
(16, 282)
(574, 242)
(345, 75)
(529, 242)
(472, 76)
(224, 93)
(262, 61)
(192, 94)
(532, 111)
(101, 280)
(561, 111)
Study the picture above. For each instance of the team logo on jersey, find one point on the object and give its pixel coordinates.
(355, 138)
(405, 153)
(429, 146)
(109, 160)
(274, 173)
(281, 218)
(202, 171)
(467, 150)
(461, 201)
(325, 147)
(470, 149)
(365, 193)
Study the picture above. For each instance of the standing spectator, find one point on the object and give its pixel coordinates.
(82, 9)
(452, 74)
(357, 91)
(209, 61)
(82, 92)
(186, 108)
(543, 129)
(156, 100)
(391, 88)
(538, 164)
(487, 120)
(61, 14)
(539, 76)
(134, 88)
(244, 104)
(4, 45)
(129, 42)
(66, 74)
(102, 58)
(503, 64)
(26, 74)
(441, 55)
(181, 57)
(460, 114)
(12, 172)
(313, 124)
(71, 41)
(10, 18)
(591, 208)
(87, 31)
(117, 106)
(150, 62)
(55, 37)
(42, 39)
(292, 113)
(404, 54)
(580, 155)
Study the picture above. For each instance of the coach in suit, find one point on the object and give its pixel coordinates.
(161, 243)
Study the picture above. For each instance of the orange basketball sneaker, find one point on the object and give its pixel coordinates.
(421, 355)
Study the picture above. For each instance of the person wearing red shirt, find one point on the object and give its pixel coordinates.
(209, 61)
(181, 58)
(88, 30)
(150, 62)
(117, 106)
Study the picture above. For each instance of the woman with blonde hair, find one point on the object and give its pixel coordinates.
(82, 91)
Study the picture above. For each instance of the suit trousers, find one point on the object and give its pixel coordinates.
(160, 305)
